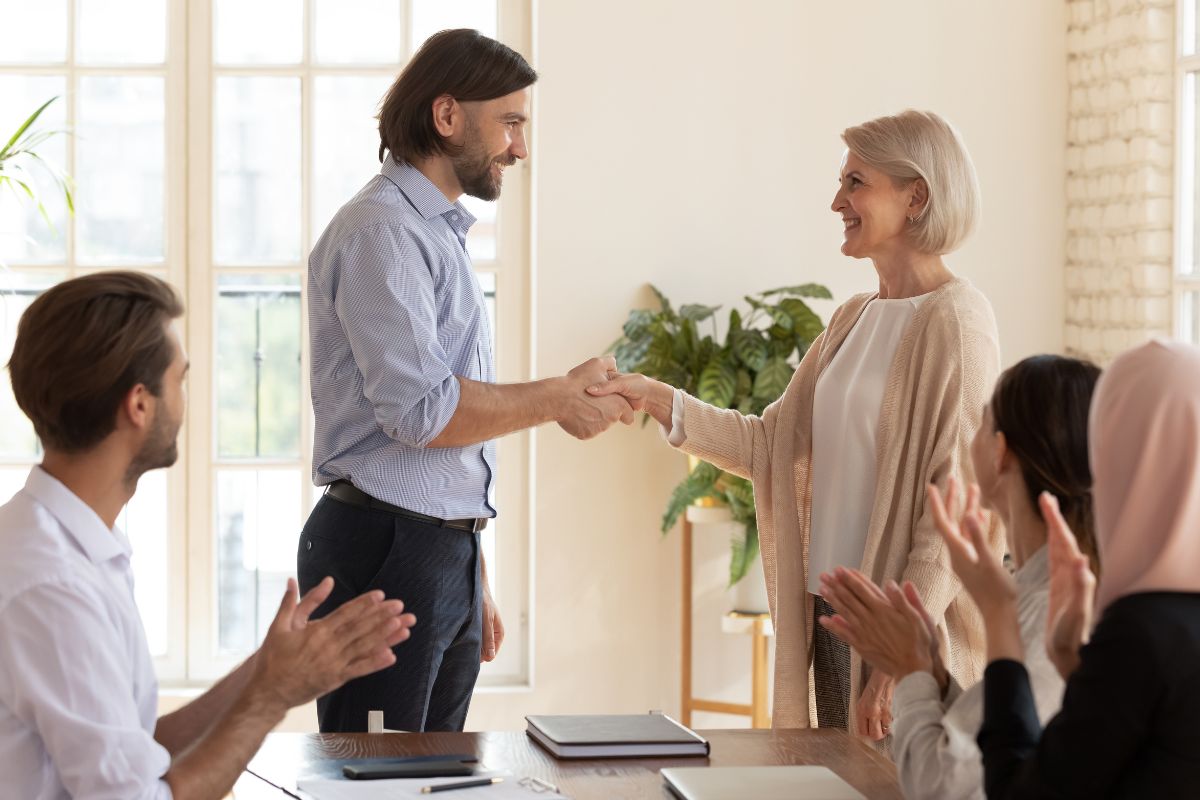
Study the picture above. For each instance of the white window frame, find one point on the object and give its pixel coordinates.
(172, 665)
(1185, 276)
(192, 658)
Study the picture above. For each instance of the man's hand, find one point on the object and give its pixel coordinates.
(493, 627)
(1072, 591)
(302, 659)
(582, 415)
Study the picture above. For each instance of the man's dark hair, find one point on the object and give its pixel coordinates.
(82, 345)
(1041, 406)
(462, 63)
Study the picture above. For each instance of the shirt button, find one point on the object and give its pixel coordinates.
(308, 545)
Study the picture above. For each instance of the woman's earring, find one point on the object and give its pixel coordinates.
(912, 220)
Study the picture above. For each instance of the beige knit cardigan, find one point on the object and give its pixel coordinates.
(941, 376)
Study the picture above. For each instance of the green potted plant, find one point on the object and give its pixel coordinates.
(748, 370)
(20, 153)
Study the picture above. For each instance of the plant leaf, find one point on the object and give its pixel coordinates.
(696, 312)
(805, 321)
(772, 380)
(744, 550)
(803, 290)
(639, 321)
(718, 382)
(699, 483)
(24, 127)
(749, 347)
(735, 321)
(663, 302)
(630, 354)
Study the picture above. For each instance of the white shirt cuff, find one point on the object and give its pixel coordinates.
(675, 435)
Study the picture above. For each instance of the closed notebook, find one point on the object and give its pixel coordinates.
(614, 736)
(760, 783)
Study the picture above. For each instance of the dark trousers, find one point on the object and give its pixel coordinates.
(435, 571)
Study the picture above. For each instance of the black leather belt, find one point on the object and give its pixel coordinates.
(347, 492)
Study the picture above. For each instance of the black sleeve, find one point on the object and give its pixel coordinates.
(1086, 747)
(1011, 729)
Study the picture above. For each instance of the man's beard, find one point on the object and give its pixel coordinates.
(473, 168)
(159, 450)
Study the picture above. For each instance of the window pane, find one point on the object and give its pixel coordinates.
(1191, 197)
(258, 523)
(120, 170)
(18, 442)
(144, 521)
(25, 236)
(1190, 38)
(259, 31)
(345, 141)
(43, 32)
(357, 31)
(481, 241)
(258, 366)
(122, 31)
(258, 170)
(1188, 325)
(431, 16)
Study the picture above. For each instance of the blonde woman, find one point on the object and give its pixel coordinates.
(885, 402)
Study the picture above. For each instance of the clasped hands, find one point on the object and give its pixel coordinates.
(597, 396)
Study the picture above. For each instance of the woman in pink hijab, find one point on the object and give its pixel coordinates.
(1130, 719)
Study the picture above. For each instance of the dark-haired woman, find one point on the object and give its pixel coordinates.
(1033, 439)
(1128, 723)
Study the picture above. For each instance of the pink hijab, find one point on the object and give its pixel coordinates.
(1144, 434)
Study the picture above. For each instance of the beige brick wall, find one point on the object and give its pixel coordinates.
(1120, 171)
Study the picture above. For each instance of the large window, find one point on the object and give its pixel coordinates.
(212, 142)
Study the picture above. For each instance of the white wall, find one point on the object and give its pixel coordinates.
(695, 145)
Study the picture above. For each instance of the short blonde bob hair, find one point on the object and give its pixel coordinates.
(920, 144)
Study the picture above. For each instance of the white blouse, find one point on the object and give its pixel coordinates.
(845, 425)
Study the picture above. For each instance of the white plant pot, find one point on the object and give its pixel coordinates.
(750, 593)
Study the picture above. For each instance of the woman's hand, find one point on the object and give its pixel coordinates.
(873, 715)
(1072, 591)
(642, 394)
(892, 632)
(886, 631)
(985, 579)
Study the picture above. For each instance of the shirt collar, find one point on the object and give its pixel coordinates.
(98, 542)
(1035, 572)
(426, 198)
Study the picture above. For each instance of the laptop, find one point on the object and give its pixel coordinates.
(760, 783)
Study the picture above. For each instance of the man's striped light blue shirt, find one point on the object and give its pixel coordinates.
(395, 312)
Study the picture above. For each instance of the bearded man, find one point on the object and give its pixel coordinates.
(403, 383)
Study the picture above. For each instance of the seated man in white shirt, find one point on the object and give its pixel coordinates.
(97, 365)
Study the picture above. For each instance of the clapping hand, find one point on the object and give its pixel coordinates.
(1072, 591)
(982, 574)
(891, 630)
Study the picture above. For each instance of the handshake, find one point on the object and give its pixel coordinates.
(592, 397)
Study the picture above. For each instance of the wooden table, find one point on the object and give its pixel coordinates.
(287, 756)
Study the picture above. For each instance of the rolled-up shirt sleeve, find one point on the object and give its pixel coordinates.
(64, 675)
(384, 298)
